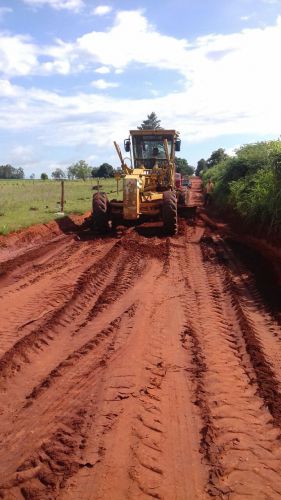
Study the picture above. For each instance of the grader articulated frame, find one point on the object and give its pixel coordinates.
(149, 187)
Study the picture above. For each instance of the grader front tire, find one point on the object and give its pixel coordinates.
(170, 216)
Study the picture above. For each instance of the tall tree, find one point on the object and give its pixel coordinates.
(94, 171)
(182, 167)
(19, 173)
(44, 176)
(151, 123)
(216, 157)
(201, 166)
(79, 170)
(105, 170)
(58, 173)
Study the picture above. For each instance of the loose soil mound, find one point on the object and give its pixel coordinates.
(20, 241)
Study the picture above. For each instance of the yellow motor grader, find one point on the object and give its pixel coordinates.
(150, 187)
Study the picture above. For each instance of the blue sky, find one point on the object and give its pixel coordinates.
(77, 74)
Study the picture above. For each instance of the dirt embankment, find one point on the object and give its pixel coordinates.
(139, 367)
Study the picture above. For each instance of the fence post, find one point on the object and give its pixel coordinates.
(62, 197)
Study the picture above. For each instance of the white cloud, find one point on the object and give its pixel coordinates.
(102, 84)
(18, 55)
(132, 39)
(231, 85)
(108, 48)
(61, 57)
(60, 67)
(103, 70)
(74, 5)
(7, 89)
(101, 10)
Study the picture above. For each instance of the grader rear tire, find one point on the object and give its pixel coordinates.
(170, 216)
(100, 212)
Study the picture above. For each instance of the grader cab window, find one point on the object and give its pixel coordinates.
(150, 147)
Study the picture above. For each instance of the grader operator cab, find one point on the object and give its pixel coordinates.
(150, 190)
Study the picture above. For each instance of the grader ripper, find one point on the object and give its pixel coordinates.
(150, 190)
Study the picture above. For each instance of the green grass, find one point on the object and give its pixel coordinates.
(27, 202)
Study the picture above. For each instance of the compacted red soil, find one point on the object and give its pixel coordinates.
(138, 366)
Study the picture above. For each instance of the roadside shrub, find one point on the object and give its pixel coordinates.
(257, 199)
(250, 185)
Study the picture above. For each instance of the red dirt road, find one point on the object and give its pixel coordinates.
(139, 367)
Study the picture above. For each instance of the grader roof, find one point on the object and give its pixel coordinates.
(160, 131)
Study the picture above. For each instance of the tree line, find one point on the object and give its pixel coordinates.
(9, 172)
(82, 170)
(78, 170)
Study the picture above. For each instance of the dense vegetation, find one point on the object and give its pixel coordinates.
(9, 172)
(249, 184)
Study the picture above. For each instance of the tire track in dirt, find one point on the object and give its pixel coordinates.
(57, 341)
(261, 273)
(238, 440)
(59, 456)
(261, 332)
(50, 385)
(33, 305)
(26, 257)
(78, 354)
(85, 289)
(165, 456)
(142, 452)
(45, 265)
(151, 372)
(146, 469)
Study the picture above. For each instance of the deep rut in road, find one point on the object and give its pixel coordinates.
(139, 367)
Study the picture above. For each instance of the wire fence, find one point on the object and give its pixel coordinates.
(27, 202)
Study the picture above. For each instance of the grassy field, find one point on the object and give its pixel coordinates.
(27, 202)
